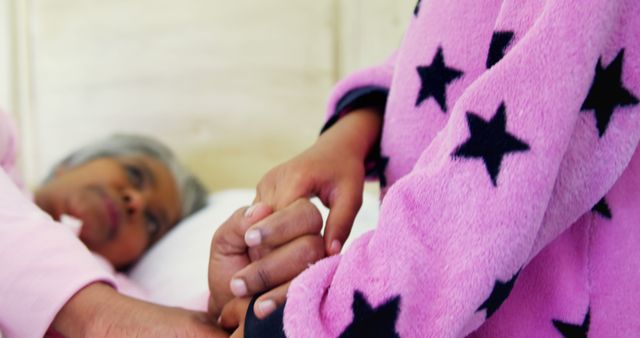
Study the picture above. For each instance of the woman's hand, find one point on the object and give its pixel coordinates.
(290, 240)
(100, 311)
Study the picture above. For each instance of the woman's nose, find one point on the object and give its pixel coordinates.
(133, 201)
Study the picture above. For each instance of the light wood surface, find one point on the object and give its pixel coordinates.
(234, 87)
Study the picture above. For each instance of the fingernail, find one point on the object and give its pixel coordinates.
(249, 212)
(266, 307)
(335, 247)
(253, 237)
(219, 320)
(238, 287)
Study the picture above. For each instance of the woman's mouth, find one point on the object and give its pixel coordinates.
(113, 217)
(99, 214)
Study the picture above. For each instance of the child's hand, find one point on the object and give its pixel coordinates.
(237, 270)
(332, 169)
(324, 171)
(233, 316)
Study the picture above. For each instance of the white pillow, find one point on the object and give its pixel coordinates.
(174, 271)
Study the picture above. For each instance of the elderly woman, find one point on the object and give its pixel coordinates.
(126, 192)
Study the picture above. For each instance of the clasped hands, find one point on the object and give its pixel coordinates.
(257, 250)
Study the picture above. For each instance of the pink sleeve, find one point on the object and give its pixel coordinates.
(518, 161)
(43, 264)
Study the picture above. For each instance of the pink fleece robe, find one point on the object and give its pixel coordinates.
(43, 263)
(512, 202)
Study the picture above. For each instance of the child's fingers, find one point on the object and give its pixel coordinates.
(298, 185)
(343, 208)
(233, 313)
(298, 219)
(270, 301)
(280, 266)
(266, 188)
(285, 183)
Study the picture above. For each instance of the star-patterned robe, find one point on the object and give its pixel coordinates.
(512, 198)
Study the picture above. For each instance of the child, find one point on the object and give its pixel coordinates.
(504, 123)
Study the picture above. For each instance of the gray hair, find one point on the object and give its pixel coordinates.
(192, 192)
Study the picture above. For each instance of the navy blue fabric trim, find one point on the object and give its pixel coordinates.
(369, 96)
(270, 327)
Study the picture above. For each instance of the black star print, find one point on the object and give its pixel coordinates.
(499, 43)
(435, 79)
(602, 208)
(607, 93)
(490, 141)
(498, 295)
(572, 330)
(372, 323)
(417, 8)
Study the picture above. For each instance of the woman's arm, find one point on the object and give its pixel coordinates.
(100, 311)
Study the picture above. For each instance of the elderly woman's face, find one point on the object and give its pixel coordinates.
(125, 204)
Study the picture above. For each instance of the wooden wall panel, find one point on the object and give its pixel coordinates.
(234, 87)
(371, 30)
(6, 58)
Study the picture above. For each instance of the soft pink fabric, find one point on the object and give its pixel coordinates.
(9, 148)
(448, 233)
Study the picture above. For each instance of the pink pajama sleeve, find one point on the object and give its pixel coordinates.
(43, 264)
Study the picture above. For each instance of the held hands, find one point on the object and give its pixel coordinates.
(256, 251)
(290, 241)
(332, 169)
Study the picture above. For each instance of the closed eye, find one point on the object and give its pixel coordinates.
(134, 175)
(152, 225)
